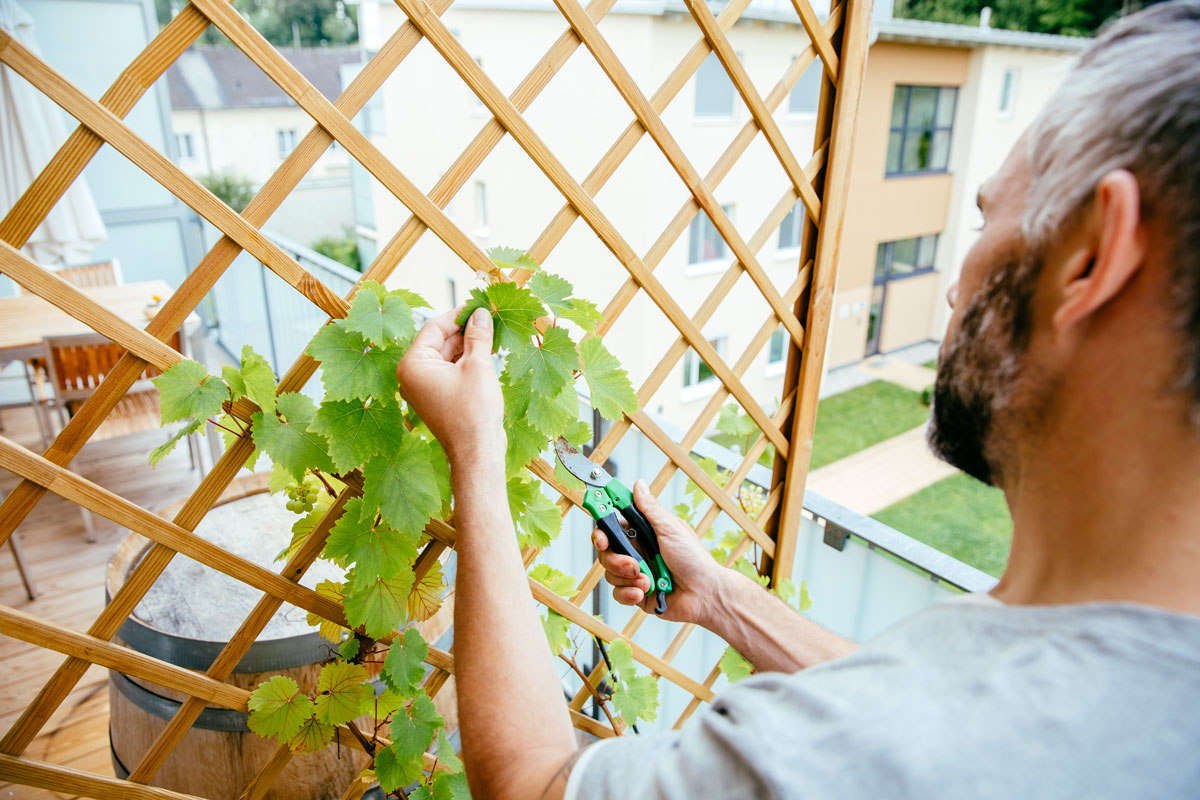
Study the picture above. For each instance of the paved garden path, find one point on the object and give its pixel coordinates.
(873, 479)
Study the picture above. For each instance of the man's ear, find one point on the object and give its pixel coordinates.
(1113, 251)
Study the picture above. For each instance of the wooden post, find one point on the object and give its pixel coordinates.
(812, 355)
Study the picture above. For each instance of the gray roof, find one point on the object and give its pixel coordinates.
(224, 77)
(919, 31)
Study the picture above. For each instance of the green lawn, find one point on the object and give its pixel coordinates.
(930, 364)
(959, 516)
(855, 420)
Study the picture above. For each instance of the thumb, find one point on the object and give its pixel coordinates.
(658, 517)
(477, 338)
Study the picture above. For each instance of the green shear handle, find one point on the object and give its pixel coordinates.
(604, 504)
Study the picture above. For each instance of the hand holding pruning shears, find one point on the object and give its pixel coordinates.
(636, 564)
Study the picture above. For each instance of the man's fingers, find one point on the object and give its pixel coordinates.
(433, 335)
(600, 539)
(621, 579)
(477, 338)
(628, 595)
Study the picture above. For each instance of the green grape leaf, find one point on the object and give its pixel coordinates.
(258, 379)
(375, 603)
(385, 704)
(349, 649)
(404, 485)
(382, 320)
(512, 258)
(558, 631)
(403, 668)
(280, 479)
(514, 308)
(583, 313)
(734, 666)
(349, 368)
(233, 379)
(343, 691)
(357, 431)
(612, 394)
(329, 631)
(733, 422)
(413, 733)
(635, 696)
(441, 474)
(396, 768)
(804, 601)
(426, 596)
(548, 369)
(555, 580)
(160, 452)
(525, 443)
(445, 752)
(747, 568)
(373, 546)
(411, 299)
(578, 432)
(278, 708)
(314, 735)
(288, 442)
(710, 468)
(186, 390)
(451, 786)
(552, 290)
(535, 515)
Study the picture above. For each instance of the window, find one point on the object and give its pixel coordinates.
(286, 140)
(1008, 92)
(481, 214)
(776, 351)
(905, 257)
(803, 97)
(791, 231)
(695, 371)
(922, 121)
(704, 242)
(183, 143)
(714, 90)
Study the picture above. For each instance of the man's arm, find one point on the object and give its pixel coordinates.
(770, 634)
(516, 732)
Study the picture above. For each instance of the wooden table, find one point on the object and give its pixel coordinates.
(27, 319)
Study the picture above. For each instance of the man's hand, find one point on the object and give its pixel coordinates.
(697, 577)
(447, 376)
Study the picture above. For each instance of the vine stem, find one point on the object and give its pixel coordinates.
(367, 745)
(226, 428)
(321, 478)
(592, 689)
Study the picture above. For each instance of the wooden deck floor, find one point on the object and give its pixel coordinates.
(69, 574)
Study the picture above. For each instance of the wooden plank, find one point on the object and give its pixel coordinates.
(85, 784)
(258, 788)
(819, 38)
(829, 239)
(461, 61)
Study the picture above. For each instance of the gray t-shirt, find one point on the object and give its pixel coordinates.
(966, 699)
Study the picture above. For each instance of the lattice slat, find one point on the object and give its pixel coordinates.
(802, 309)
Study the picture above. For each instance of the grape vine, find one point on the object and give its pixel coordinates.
(363, 428)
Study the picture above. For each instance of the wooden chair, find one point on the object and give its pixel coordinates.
(14, 544)
(77, 364)
(84, 276)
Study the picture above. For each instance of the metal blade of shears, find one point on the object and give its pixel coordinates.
(580, 465)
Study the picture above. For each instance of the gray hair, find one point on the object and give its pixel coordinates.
(1132, 102)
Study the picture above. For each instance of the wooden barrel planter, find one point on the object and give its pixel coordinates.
(219, 756)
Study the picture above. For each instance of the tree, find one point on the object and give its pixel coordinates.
(285, 23)
(1067, 17)
(233, 189)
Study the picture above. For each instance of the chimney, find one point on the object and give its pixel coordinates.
(985, 17)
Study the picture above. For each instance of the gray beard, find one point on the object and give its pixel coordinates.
(977, 372)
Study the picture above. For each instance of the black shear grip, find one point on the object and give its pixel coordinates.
(619, 542)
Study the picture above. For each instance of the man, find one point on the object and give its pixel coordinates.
(1069, 377)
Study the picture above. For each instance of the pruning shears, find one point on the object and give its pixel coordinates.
(604, 497)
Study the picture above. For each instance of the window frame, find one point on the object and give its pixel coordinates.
(905, 130)
(889, 257)
(691, 386)
(775, 366)
(798, 216)
(708, 265)
(188, 153)
(481, 210)
(1008, 92)
(731, 116)
(286, 137)
(816, 66)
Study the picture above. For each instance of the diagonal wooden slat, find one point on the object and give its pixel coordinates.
(819, 37)
(462, 63)
(65, 779)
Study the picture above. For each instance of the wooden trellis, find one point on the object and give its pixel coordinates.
(802, 308)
